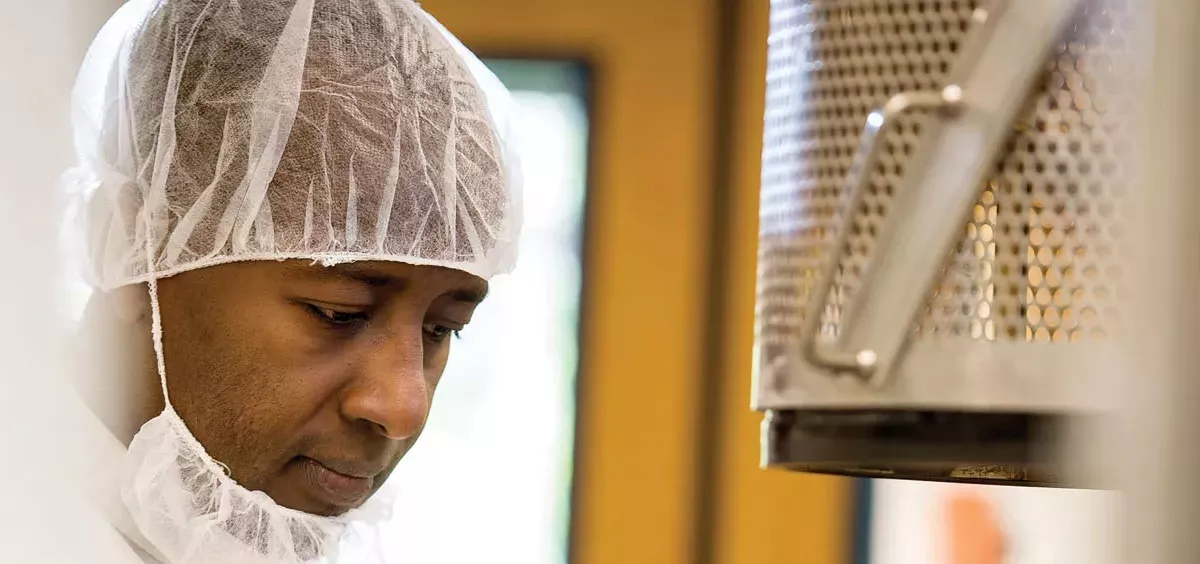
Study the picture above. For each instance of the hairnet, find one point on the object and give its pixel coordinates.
(335, 130)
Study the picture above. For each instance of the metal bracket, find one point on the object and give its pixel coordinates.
(879, 122)
(1000, 63)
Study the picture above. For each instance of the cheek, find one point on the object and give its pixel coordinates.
(248, 387)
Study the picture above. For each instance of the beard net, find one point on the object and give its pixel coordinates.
(333, 130)
(191, 512)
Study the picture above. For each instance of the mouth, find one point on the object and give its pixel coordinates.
(344, 488)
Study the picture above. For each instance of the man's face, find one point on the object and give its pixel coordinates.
(310, 383)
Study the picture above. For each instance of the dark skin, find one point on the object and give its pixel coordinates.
(287, 370)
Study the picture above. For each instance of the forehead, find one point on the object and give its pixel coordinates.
(397, 275)
(385, 275)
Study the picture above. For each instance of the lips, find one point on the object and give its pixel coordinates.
(335, 488)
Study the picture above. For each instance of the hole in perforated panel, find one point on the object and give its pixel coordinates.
(1054, 277)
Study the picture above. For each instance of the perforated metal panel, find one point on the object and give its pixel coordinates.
(831, 64)
(1040, 259)
(1029, 293)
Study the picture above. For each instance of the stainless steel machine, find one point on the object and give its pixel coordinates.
(979, 250)
(945, 239)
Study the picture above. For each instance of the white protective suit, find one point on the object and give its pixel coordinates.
(214, 131)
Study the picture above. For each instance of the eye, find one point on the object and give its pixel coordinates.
(438, 333)
(336, 317)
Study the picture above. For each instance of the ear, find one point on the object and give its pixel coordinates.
(130, 304)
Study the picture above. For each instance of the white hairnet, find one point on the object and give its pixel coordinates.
(335, 130)
(212, 131)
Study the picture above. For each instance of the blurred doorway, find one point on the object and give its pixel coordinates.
(491, 478)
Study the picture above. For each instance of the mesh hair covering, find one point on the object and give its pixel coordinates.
(229, 130)
(334, 130)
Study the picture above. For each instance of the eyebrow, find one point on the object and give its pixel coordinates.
(473, 297)
(377, 279)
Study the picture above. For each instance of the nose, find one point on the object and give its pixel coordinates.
(389, 393)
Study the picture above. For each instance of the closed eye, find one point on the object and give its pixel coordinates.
(439, 333)
(336, 317)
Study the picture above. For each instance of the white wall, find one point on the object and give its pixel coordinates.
(42, 519)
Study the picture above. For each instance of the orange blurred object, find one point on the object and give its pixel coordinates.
(975, 535)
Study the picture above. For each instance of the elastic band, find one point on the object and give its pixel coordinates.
(156, 329)
(156, 332)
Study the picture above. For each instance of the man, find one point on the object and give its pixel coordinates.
(291, 207)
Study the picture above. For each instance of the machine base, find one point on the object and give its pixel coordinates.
(944, 446)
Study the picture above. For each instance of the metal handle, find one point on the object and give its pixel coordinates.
(1002, 58)
(879, 122)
